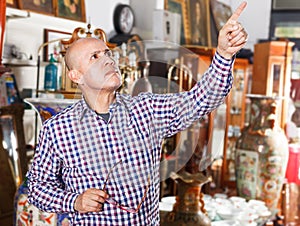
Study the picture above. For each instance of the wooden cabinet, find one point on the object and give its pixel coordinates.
(272, 73)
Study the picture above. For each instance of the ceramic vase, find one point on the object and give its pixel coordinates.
(25, 213)
(28, 214)
(262, 154)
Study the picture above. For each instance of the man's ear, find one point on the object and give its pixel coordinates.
(75, 76)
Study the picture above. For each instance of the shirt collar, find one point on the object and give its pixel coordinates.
(85, 109)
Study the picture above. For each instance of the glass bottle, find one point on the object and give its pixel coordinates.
(50, 82)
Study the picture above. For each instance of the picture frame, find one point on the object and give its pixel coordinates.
(199, 19)
(220, 13)
(180, 7)
(43, 7)
(12, 3)
(72, 11)
(55, 47)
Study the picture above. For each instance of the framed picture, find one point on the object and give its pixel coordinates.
(220, 12)
(12, 3)
(54, 47)
(180, 7)
(73, 10)
(38, 6)
(199, 18)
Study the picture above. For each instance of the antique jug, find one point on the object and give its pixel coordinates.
(262, 154)
(189, 207)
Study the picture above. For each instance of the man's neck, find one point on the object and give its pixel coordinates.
(101, 102)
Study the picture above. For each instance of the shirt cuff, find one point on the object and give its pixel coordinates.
(69, 202)
(221, 64)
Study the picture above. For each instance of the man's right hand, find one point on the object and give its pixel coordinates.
(232, 37)
(91, 200)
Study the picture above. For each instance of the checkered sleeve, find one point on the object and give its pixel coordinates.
(176, 112)
(46, 190)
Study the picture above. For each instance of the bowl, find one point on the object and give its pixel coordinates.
(166, 207)
(225, 223)
(237, 199)
(169, 199)
(220, 195)
(229, 213)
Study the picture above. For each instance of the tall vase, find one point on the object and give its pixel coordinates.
(262, 154)
(28, 214)
(25, 213)
(189, 206)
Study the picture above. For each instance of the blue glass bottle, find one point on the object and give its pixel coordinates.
(50, 82)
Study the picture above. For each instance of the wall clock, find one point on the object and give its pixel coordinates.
(123, 19)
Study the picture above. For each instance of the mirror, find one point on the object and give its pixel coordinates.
(276, 72)
(9, 143)
(13, 140)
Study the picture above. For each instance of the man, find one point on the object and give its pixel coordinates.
(98, 160)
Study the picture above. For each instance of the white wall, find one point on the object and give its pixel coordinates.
(100, 12)
(143, 11)
(255, 18)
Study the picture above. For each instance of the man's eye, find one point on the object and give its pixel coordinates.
(109, 53)
(94, 56)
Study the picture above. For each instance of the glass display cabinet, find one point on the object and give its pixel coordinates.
(272, 73)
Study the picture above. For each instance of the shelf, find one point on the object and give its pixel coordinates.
(17, 62)
(12, 13)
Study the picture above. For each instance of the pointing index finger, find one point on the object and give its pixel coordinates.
(238, 11)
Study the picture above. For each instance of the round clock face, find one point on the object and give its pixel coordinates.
(123, 19)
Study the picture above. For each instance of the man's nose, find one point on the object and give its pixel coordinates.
(110, 60)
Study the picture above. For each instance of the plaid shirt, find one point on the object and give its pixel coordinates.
(77, 148)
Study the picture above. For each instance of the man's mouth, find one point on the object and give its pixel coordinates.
(112, 71)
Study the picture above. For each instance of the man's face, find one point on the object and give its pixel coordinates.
(99, 70)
